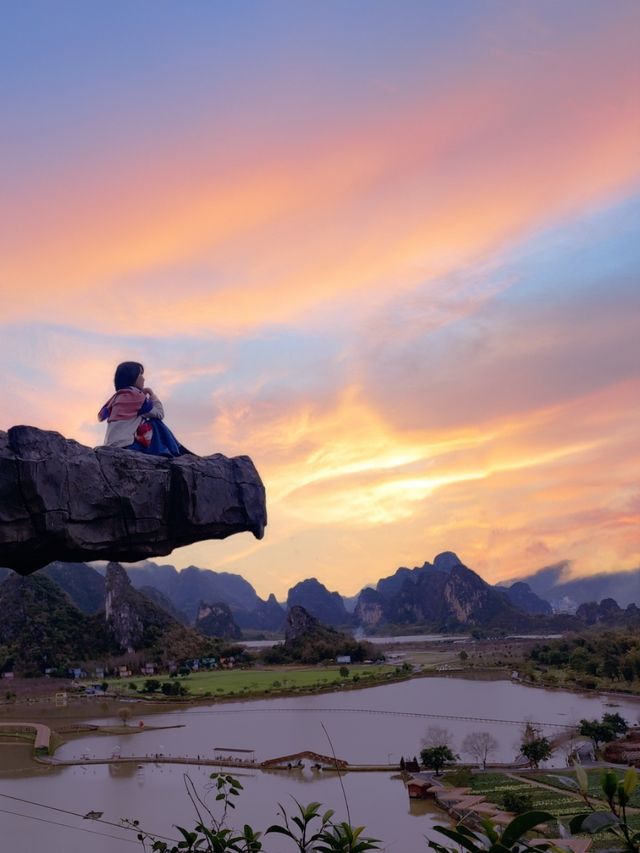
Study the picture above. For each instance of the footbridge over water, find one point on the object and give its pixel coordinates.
(323, 760)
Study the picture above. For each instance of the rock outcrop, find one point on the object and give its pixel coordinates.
(60, 500)
(316, 599)
(300, 623)
(608, 614)
(442, 596)
(369, 610)
(216, 620)
(309, 641)
(136, 623)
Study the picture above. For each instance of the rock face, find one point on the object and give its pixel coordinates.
(135, 623)
(300, 624)
(442, 596)
(369, 610)
(122, 609)
(60, 500)
(216, 620)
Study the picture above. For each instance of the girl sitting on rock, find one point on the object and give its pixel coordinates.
(134, 416)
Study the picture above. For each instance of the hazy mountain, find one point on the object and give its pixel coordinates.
(564, 594)
(267, 616)
(82, 583)
(522, 596)
(316, 599)
(165, 603)
(187, 588)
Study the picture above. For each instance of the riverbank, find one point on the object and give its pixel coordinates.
(77, 703)
(374, 727)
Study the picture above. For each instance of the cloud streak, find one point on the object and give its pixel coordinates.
(405, 281)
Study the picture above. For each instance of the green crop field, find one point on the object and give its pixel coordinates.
(593, 775)
(493, 786)
(246, 682)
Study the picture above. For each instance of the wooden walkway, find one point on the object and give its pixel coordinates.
(42, 732)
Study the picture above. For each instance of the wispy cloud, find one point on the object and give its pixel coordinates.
(403, 281)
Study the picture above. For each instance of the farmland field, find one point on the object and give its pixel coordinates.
(235, 682)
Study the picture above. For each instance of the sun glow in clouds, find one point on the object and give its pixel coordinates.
(393, 258)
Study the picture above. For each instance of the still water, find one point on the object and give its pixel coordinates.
(371, 726)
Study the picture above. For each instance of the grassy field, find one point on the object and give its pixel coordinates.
(247, 682)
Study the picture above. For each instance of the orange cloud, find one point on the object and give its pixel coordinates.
(553, 481)
(411, 196)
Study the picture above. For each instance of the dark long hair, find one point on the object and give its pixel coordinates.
(126, 374)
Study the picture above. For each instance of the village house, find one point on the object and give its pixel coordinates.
(418, 789)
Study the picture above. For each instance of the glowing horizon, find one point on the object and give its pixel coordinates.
(391, 256)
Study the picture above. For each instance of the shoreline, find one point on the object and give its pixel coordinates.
(155, 704)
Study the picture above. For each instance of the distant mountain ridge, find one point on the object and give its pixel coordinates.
(444, 595)
(567, 594)
(315, 598)
(441, 596)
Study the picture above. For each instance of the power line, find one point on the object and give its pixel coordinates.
(373, 711)
(83, 817)
(69, 826)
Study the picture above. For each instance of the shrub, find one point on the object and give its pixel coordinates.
(517, 801)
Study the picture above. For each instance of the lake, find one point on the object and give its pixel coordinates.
(370, 726)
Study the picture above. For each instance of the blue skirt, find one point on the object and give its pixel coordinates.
(163, 442)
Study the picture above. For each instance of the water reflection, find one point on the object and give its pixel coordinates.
(366, 726)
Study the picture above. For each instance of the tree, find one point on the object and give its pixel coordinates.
(344, 672)
(536, 750)
(125, 715)
(436, 736)
(534, 746)
(435, 757)
(616, 723)
(151, 685)
(605, 730)
(480, 745)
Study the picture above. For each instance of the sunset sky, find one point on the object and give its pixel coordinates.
(390, 250)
